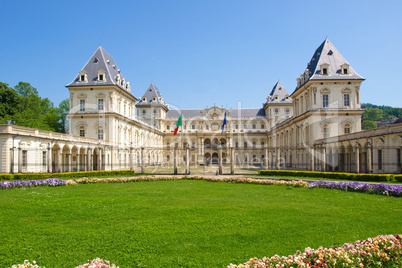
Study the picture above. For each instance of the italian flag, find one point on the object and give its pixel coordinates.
(178, 124)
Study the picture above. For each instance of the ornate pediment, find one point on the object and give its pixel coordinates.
(215, 113)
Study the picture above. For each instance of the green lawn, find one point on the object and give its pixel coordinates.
(183, 223)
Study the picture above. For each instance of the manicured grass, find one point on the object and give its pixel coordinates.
(316, 179)
(183, 223)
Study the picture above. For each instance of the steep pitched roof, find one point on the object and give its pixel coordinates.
(327, 53)
(234, 113)
(149, 95)
(278, 95)
(100, 60)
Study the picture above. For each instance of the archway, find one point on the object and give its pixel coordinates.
(207, 143)
(215, 159)
(207, 158)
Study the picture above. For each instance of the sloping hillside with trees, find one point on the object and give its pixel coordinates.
(375, 113)
(23, 106)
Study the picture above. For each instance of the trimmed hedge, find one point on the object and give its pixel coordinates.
(398, 178)
(5, 177)
(80, 174)
(330, 175)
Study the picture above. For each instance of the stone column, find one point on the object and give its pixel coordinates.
(187, 160)
(12, 160)
(142, 160)
(357, 158)
(312, 159)
(99, 159)
(369, 160)
(58, 155)
(266, 158)
(323, 159)
(278, 159)
(232, 158)
(49, 160)
(78, 160)
(220, 158)
(69, 164)
(19, 159)
(89, 153)
(175, 160)
(131, 158)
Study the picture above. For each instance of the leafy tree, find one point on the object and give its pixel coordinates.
(368, 124)
(62, 111)
(9, 100)
(373, 114)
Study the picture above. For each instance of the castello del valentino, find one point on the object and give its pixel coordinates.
(315, 127)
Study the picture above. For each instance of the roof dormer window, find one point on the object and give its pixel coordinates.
(101, 75)
(153, 99)
(345, 68)
(144, 99)
(324, 69)
(83, 76)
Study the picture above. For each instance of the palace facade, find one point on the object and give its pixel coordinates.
(317, 127)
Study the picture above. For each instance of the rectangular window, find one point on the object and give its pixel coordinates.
(324, 71)
(346, 100)
(193, 127)
(24, 158)
(254, 126)
(347, 130)
(82, 132)
(44, 159)
(100, 134)
(326, 132)
(185, 127)
(82, 78)
(237, 126)
(82, 105)
(168, 158)
(237, 144)
(345, 71)
(167, 127)
(262, 144)
(168, 145)
(262, 126)
(207, 127)
(100, 104)
(193, 145)
(379, 159)
(325, 101)
(245, 144)
(245, 126)
(254, 144)
(101, 77)
(276, 111)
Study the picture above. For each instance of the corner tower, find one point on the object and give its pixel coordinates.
(152, 108)
(100, 98)
(279, 105)
(327, 97)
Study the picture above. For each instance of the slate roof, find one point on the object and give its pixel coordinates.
(149, 94)
(234, 113)
(278, 91)
(327, 53)
(100, 60)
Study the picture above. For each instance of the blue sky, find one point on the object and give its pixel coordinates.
(201, 53)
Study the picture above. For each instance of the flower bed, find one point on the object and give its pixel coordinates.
(296, 183)
(19, 184)
(381, 189)
(379, 251)
(96, 263)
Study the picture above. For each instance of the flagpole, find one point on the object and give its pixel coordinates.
(181, 137)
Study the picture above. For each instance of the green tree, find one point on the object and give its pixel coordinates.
(62, 111)
(374, 114)
(9, 100)
(368, 124)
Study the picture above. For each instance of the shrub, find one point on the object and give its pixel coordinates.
(329, 175)
(80, 174)
(398, 178)
(5, 177)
